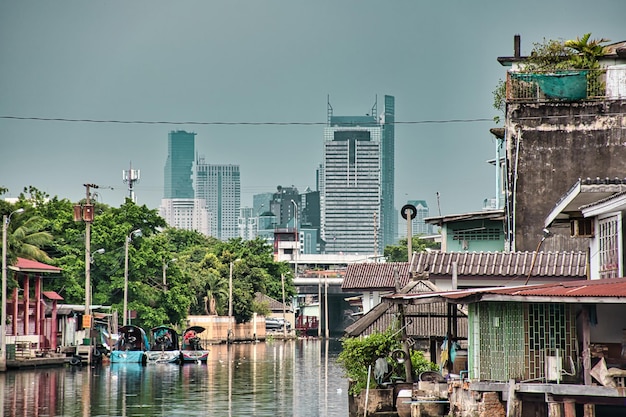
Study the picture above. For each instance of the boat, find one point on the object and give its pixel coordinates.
(165, 347)
(130, 346)
(191, 348)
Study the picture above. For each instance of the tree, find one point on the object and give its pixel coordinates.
(399, 252)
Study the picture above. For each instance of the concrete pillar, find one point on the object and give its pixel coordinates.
(589, 410)
(555, 409)
(569, 408)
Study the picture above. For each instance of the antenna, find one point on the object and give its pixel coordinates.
(131, 176)
(438, 204)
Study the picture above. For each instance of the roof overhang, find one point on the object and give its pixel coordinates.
(495, 215)
(582, 194)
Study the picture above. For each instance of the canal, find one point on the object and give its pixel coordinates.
(277, 378)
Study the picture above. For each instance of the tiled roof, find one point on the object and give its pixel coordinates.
(375, 276)
(502, 264)
(274, 305)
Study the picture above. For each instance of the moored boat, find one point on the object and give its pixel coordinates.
(130, 346)
(165, 347)
(191, 347)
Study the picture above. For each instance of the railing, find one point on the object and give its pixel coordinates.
(553, 86)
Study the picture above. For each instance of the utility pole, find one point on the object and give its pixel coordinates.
(85, 213)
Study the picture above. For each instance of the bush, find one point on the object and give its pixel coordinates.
(360, 353)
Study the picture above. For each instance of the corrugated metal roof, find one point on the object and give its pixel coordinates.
(273, 305)
(376, 276)
(502, 264)
(572, 291)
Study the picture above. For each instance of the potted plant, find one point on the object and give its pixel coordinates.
(565, 69)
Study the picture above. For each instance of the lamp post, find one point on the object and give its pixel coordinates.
(128, 239)
(230, 302)
(295, 226)
(3, 341)
(165, 266)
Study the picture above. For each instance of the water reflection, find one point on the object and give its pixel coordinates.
(278, 379)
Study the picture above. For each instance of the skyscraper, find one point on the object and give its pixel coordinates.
(418, 225)
(179, 165)
(388, 213)
(179, 207)
(351, 184)
(220, 187)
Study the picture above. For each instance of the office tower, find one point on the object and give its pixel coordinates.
(179, 208)
(388, 219)
(418, 226)
(179, 165)
(285, 205)
(248, 223)
(220, 187)
(351, 184)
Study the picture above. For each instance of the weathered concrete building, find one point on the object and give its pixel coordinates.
(551, 142)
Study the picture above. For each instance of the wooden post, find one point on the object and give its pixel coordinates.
(569, 408)
(586, 336)
(589, 410)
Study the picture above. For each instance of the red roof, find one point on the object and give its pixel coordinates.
(52, 295)
(28, 265)
(610, 290)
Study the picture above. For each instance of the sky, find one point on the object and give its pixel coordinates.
(255, 77)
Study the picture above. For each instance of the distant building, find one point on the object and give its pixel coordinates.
(179, 165)
(248, 223)
(261, 202)
(179, 207)
(220, 187)
(186, 214)
(418, 226)
(388, 218)
(351, 184)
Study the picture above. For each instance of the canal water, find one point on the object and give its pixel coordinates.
(277, 379)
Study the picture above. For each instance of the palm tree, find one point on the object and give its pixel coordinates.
(216, 293)
(25, 239)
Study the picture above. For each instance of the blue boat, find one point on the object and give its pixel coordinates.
(130, 346)
(164, 347)
(191, 348)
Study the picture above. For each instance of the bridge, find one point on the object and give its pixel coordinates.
(319, 278)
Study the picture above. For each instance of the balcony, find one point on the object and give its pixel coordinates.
(561, 86)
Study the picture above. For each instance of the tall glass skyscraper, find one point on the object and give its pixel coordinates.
(179, 165)
(351, 184)
(388, 213)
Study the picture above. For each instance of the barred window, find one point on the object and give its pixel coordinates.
(476, 234)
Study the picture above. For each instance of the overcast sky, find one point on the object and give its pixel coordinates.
(261, 62)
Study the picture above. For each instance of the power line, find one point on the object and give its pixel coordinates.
(222, 123)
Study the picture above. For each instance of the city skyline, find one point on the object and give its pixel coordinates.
(88, 91)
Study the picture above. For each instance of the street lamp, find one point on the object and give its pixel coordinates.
(295, 226)
(3, 342)
(128, 239)
(165, 266)
(230, 301)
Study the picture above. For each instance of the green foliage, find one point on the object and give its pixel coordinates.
(399, 252)
(499, 98)
(359, 353)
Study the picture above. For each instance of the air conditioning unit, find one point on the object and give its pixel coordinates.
(581, 228)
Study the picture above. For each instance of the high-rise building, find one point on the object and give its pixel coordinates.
(179, 165)
(351, 184)
(418, 225)
(220, 187)
(388, 213)
(179, 207)
(248, 223)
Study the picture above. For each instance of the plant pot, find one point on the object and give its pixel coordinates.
(563, 85)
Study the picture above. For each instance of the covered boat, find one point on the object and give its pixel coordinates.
(130, 346)
(191, 348)
(165, 347)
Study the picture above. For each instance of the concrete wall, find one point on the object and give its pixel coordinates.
(550, 145)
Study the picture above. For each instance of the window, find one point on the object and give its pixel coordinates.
(608, 230)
